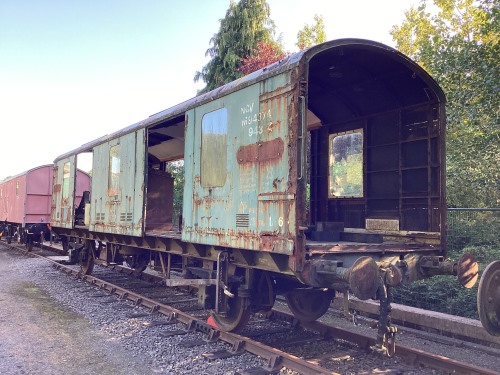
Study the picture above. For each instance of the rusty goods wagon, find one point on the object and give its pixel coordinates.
(25, 199)
(322, 172)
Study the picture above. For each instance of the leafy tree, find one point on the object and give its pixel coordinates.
(312, 35)
(246, 23)
(459, 47)
(265, 54)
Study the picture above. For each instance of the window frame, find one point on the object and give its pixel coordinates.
(213, 153)
(332, 192)
(114, 171)
(66, 179)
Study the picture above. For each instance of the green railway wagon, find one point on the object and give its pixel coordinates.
(322, 172)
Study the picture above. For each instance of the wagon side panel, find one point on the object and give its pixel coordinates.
(238, 162)
(13, 198)
(117, 192)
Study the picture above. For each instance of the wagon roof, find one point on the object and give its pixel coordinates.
(34, 169)
(25, 173)
(283, 65)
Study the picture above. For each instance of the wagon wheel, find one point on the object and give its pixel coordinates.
(309, 304)
(488, 298)
(237, 316)
(137, 262)
(86, 257)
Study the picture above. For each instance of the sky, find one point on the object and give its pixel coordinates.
(73, 71)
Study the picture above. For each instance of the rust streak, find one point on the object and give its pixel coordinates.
(261, 151)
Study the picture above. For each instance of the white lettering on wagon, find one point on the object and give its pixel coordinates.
(255, 121)
(247, 109)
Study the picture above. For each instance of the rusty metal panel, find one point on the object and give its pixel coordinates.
(58, 213)
(63, 193)
(255, 206)
(117, 194)
(260, 151)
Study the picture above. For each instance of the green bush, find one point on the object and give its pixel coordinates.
(472, 228)
(469, 231)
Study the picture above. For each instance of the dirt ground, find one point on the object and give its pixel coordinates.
(38, 336)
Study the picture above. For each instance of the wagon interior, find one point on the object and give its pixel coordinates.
(375, 155)
(165, 145)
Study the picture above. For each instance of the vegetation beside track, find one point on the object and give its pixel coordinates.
(473, 231)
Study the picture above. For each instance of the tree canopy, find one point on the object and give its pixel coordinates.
(268, 52)
(459, 47)
(246, 23)
(311, 35)
(245, 43)
(265, 54)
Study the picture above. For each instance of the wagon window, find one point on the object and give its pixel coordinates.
(114, 170)
(66, 177)
(346, 164)
(214, 148)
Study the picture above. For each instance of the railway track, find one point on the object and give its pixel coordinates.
(276, 337)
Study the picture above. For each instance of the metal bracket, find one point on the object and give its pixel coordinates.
(220, 296)
(386, 336)
(351, 316)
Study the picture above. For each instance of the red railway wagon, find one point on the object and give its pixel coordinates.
(26, 199)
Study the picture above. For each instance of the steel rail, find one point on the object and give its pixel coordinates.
(275, 357)
(411, 355)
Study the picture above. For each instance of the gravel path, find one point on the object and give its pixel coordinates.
(40, 336)
(51, 323)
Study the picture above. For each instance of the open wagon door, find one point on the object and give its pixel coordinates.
(63, 194)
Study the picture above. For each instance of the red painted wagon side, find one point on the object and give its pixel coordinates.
(27, 197)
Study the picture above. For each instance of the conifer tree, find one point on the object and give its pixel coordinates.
(246, 23)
